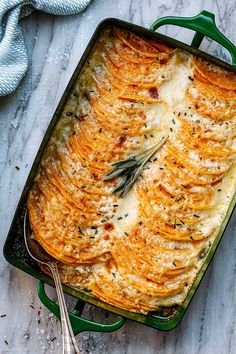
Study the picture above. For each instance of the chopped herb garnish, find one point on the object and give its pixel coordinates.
(79, 228)
(175, 224)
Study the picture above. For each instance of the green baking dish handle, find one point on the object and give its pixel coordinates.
(78, 323)
(204, 25)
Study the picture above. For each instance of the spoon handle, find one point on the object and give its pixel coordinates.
(68, 338)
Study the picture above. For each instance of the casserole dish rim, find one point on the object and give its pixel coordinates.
(159, 322)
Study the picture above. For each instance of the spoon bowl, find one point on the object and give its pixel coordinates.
(38, 253)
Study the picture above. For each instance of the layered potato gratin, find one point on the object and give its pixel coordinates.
(143, 251)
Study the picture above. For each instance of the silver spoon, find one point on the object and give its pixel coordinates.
(37, 252)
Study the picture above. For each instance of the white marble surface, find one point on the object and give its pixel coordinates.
(55, 45)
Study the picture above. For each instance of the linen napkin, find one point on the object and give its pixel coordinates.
(13, 54)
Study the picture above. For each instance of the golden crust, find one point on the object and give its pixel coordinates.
(150, 260)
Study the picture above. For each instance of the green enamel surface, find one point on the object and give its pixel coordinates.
(204, 25)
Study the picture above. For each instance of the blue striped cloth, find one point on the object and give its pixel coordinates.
(13, 54)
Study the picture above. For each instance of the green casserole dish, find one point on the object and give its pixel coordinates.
(14, 249)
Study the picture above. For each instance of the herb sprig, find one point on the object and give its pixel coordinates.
(131, 168)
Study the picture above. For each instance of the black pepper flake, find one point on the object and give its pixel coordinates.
(171, 129)
(32, 307)
(3, 315)
(173, 121)
(145, 136)
(100, 130)
(17, 168)
(161, 168)
(155, 159)
(126, 215)
(73, 133)
(115, 205)
(126, 233)
(93, 227)
(120, 218)
(190, 78)
(218, 190)
(103, 220)
(174, 264)
(54, 338)
(27, 336)
(196, 216)
(6, 342)
(140, 222)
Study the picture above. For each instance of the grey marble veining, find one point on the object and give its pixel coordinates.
(55, 45)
